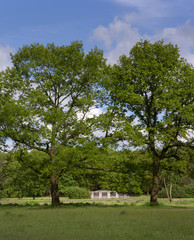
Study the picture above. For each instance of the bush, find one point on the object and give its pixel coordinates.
(189, 191)
(3, 194)
(162, 193)
(76, 193)
(186, 191)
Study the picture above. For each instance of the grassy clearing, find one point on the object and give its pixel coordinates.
(95, 222)
(140, 200)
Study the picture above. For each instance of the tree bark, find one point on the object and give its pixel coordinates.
(53, 176)
(166, 189)
(171, 190)
(154, 192)
(54, 190)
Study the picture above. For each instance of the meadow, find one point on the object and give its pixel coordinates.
(135, 201)
(79, 220)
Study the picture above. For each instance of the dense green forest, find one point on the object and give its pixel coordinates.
(76, 121)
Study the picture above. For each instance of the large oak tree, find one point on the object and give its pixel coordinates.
(155, 86)
(46, 98)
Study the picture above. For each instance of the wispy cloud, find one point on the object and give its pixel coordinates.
(137, 3)
(148, 7)
(159, 8)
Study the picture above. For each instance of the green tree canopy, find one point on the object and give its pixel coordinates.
(46, 98)
(155, 86)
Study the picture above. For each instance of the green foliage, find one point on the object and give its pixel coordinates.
(3, 157)
(145, 101)
(108, 169)
(67, 180)
(46, 98)
(186, 191)
(154, 86)
(177, 192)
(175, 174)
(76, 193)
(22, 176)
(3, 194)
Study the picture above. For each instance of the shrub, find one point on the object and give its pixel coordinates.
(189, 191)
(178, 192)
(3, 194)
(162, 193)
(76, 193)
(186, 191)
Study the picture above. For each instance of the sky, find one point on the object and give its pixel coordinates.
(113, 25)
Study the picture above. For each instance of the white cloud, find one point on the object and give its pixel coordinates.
(103, 34)
(118, 37)
(182, 35)
(121, 35)
(5, 59)
(92, 112)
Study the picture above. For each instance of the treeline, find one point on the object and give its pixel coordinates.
(70, 115)
(129, 172)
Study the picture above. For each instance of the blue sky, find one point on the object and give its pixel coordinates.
(113, 25)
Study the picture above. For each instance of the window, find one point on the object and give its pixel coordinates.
(113, 194)
(104, 194)
(96, 194)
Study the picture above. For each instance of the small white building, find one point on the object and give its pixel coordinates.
(106, 194)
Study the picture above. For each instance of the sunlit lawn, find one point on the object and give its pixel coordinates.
(110, 222)
(137, 200)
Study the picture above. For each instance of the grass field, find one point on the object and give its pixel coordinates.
(121, 201)
(97, 221)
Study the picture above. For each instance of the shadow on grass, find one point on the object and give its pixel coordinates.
(36, 205)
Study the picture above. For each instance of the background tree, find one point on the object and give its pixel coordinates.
(23, 174)
(47, 97)
(155, 86)
(122, 171)
(176, 175)
(2, 178)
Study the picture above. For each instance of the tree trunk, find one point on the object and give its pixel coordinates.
(154, 192)
(53, 177)
(170, 190)
(54, 190)
(166, 188)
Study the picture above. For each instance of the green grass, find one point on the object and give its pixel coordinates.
(140, 200)
(86, 222)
